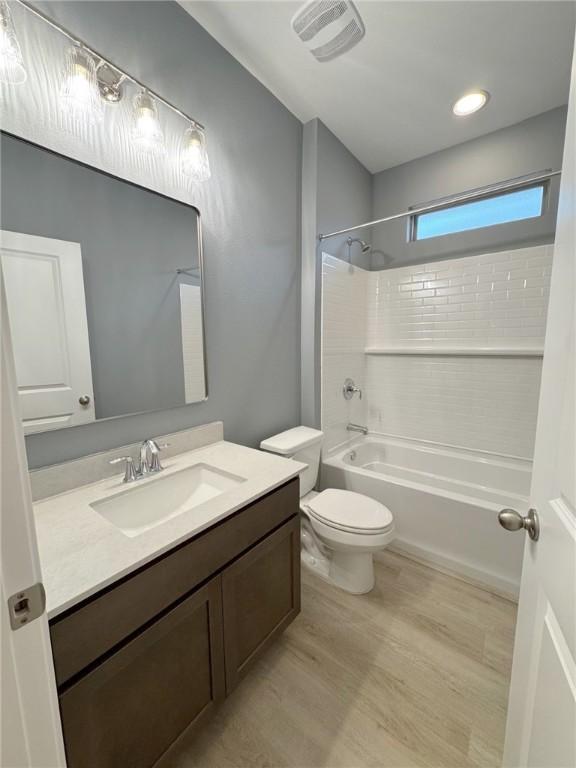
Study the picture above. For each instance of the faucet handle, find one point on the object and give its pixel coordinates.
(130, 473)
(349, 389)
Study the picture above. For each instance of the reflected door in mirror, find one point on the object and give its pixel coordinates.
(104, 287)
(47, 312)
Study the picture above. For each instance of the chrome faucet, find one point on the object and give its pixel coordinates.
(356, 428)
(151, 459)
(144, 466)
(149, 463)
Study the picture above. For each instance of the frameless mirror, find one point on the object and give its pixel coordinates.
(103, 281)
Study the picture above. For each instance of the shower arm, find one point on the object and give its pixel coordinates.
(520, 181)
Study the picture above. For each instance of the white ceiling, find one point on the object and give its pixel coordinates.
(389, 99)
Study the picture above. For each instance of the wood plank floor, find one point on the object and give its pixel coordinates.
(414, 674)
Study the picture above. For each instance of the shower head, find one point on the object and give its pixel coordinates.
(363, 244)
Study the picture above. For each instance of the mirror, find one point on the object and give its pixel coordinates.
(103, 282)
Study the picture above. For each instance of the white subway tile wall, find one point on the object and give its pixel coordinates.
(481, 403)
(496, 300)
(344, 299)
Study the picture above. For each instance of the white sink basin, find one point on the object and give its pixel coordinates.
(154, 500)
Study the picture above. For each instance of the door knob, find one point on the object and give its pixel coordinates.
(514, 521)
(84, 400)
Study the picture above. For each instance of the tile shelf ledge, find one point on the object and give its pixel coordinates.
(462, 351)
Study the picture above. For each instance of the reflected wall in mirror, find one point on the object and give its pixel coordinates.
(104, 289)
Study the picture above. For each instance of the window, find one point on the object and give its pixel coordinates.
(501, 208)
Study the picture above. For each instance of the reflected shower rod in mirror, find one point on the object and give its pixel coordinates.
(105, 60)
(520, 181)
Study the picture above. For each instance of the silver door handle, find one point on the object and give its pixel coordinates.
(514, 521)
(84, 400)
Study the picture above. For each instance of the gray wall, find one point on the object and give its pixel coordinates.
(533, 145)
(251, 216)
(344, 196)
(336, 192)
(132, 242)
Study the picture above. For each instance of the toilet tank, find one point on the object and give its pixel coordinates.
(302, 444)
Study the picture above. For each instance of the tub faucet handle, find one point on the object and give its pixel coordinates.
(349, 389)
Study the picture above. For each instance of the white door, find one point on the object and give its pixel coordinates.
(47, 310)
(30, 731)
(541, 727)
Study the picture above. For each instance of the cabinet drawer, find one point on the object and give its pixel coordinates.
(130, 709)
(261, 596)
(93, 628)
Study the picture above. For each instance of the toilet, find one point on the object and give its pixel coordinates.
(341, 530)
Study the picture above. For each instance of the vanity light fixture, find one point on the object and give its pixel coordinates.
(79, 94)
(193, 155)
(471, 102)
(91, 81)
(147, 134)
(110, 83)
(12, 70)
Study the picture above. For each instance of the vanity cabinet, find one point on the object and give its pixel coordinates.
(261, 596)
(153, 654)
(169, 677)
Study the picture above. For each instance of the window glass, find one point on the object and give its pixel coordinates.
(498, 209)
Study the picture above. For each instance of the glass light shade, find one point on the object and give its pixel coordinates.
(79, 94)
(194, 156)
(12, 69)
(147, 135)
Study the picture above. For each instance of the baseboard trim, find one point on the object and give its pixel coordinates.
(474, 576)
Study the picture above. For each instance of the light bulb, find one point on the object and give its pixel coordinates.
(193, 155)
(470, 103)
(12, 69)
(79, 94)
(147, 135)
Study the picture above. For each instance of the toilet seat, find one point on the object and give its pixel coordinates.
(349, 511)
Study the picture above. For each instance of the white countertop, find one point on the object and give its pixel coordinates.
(81, 552)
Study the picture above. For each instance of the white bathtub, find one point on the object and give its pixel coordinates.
(444, 501)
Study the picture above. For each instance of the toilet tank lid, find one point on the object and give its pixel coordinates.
(293, 440)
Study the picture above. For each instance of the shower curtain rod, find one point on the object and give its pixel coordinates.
(510, 184)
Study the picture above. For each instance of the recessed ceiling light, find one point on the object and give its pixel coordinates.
(470, 102)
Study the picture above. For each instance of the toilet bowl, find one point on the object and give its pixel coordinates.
(341, 530)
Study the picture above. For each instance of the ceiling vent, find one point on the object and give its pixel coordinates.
(328, 28)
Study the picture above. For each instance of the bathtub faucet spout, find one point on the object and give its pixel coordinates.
(356, 428)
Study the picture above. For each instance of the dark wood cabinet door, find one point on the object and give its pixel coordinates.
(261, 596)
(128, 710)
